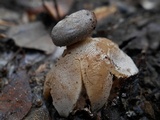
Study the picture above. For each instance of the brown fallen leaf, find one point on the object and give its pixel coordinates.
(32, 35)
(15, 98)
(105, 11)
(2, 36)
(5, 23)
(38, 114)
(41, 68)
(9, 15)
(147, 107)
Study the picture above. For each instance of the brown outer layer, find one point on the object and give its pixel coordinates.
(91, 62)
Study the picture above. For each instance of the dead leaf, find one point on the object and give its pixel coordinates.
(9, 15)
(41, 68)
(38, 114)
(15, 98)
(2, 36)
(29, 3)
(32, 35)
(105, 11)
(148, 109)
(5, 23)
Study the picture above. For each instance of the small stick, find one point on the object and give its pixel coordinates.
(56, 7)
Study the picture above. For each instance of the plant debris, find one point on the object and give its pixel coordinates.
(32, 35)
(16, 97)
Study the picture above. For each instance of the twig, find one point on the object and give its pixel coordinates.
(56, 7)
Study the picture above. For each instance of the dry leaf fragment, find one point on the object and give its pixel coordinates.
(16, 98)
(38, 114)
(9, 15)
(5, 23)
(2, 36)
(105, 11)
(32, 35)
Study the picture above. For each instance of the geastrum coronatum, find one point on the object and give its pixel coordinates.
(84, 73)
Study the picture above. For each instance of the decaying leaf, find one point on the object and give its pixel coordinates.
(105, 11)
(38, 114)
(15, 98)
(32, 35)
(147, 106)
(87, 66)
(8, 15)
(2, 36)
(5, 23)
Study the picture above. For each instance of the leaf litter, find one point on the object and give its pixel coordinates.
(135, 29)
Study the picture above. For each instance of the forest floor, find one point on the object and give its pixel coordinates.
(27, 54)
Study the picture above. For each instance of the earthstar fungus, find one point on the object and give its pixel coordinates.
(85, 71)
